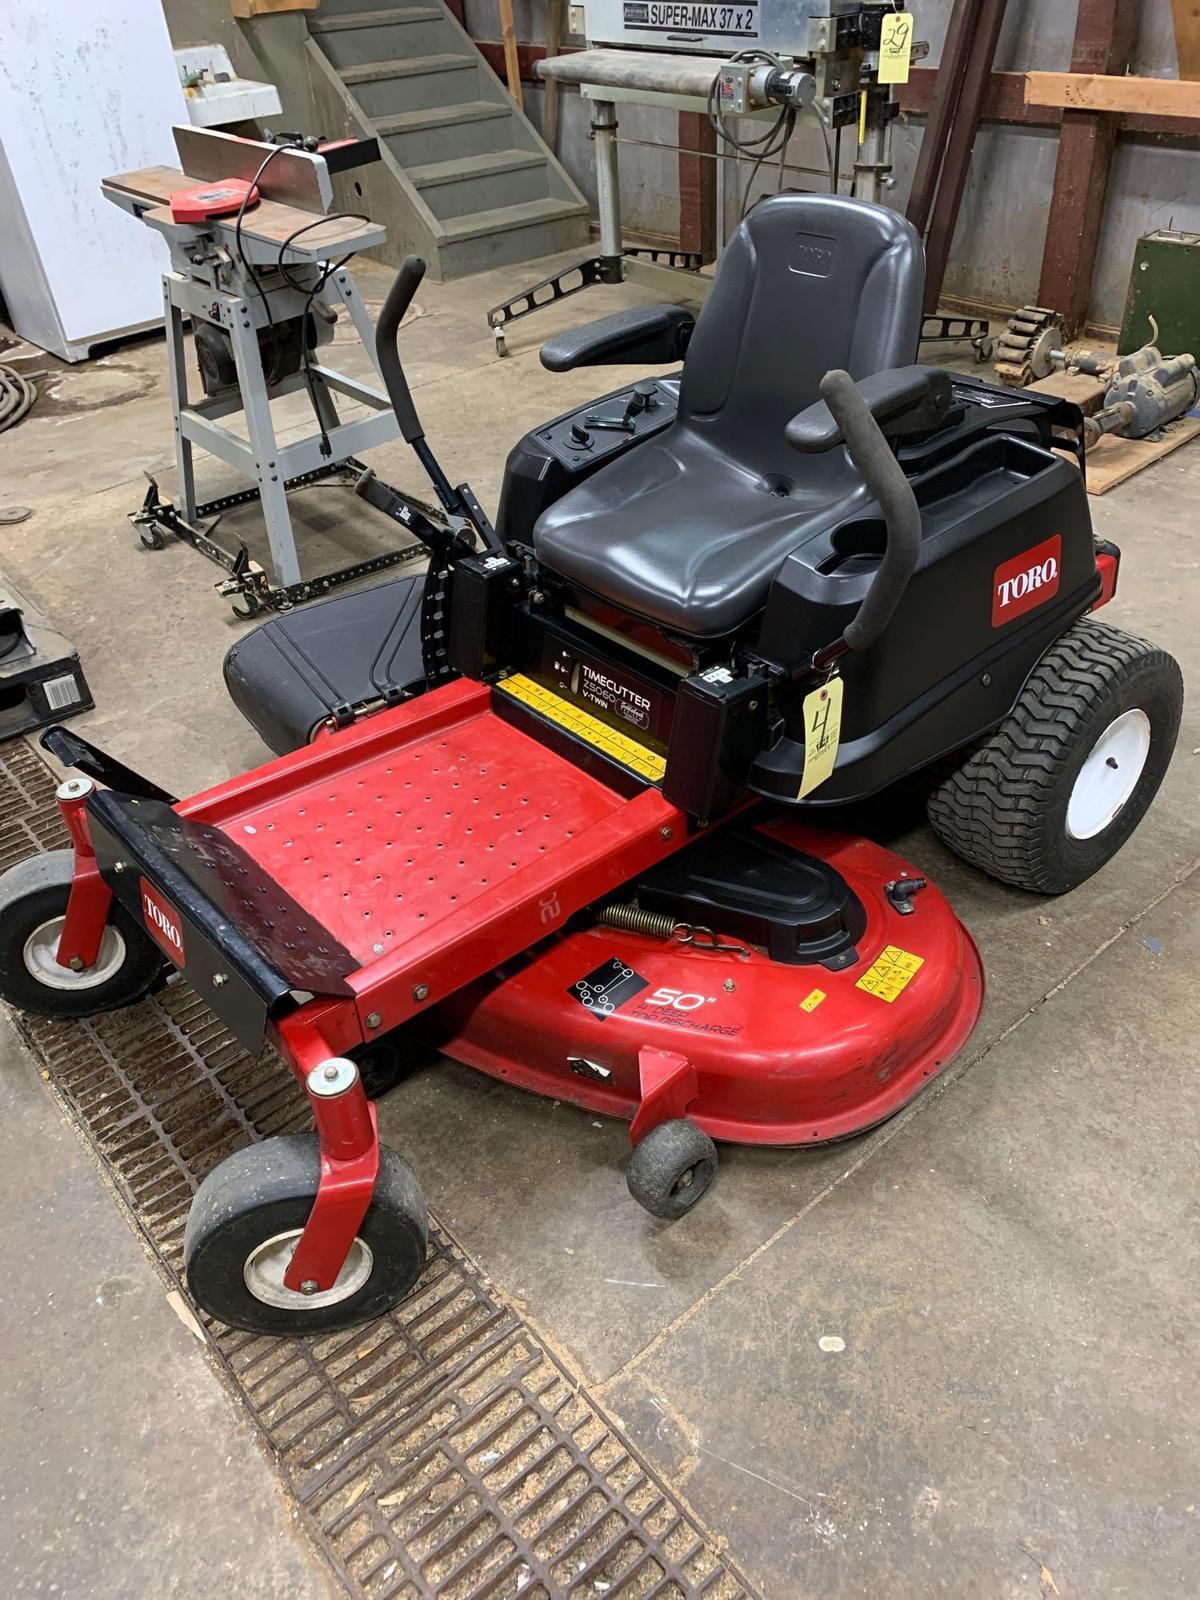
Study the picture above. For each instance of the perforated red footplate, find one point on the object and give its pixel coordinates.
(437, 840)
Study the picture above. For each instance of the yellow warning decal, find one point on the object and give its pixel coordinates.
(813, 1000)
(617, 746)
(890, 974)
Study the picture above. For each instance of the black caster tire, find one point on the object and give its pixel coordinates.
(33, 904)
(151, 538)
(672, 1168)
(251, 1209)
(1056, 790)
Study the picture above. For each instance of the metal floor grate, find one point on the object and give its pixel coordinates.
(441, 1451)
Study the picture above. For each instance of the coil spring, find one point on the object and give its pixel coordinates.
(659, 926)
(635, 920)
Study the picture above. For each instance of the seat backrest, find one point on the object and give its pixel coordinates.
(808, 282)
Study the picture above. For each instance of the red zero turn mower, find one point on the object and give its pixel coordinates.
(555, 806)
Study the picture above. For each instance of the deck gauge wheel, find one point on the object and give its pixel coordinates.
(672, 1168)
(248, 1216)
(33, 905)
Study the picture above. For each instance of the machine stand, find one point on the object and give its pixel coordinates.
(274, 468)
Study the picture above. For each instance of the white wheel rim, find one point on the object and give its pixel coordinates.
(265, 1268)
(41, 958)
(1109, 775)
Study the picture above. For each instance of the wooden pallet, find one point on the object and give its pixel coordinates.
(1112, 460)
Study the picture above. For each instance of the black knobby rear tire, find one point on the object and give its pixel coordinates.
(671, 1168)
(267, 1190)
(1004, 807)
(33, 898)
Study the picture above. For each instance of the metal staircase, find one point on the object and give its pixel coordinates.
(465, 180)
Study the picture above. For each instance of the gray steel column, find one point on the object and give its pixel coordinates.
(268, 468)
(177, 378)
(608, 184)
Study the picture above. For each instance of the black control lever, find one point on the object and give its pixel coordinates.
(611, 424)
(884, 477)
(458, 502)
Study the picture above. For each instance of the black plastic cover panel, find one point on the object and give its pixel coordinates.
(743, 884)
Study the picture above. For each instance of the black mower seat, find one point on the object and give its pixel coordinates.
(689, 529)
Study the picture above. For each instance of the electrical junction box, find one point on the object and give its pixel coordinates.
(788, 27)
(41, 680)
(1165, 285)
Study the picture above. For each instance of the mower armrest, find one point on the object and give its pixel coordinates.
(646, 333)
(903, 401)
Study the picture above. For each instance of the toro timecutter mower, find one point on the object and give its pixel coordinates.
(555, 807)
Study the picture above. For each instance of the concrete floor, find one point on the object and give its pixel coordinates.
(1009, 1266)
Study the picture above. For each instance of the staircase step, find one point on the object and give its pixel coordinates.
(361, 38)
(374, 19)
(441, 116)
(503, 219)
(415, 67)
(495, 162)
(441, 132)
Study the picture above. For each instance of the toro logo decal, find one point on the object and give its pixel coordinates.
(1028, 580)
(163, 921)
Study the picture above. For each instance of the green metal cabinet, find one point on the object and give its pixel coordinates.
(1165, 284)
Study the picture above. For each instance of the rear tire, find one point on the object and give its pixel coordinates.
(33, 903)
(1050, 796)
(248, 1214)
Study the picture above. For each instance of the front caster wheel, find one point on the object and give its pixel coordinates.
(672, 1168)
(33, 905)
(248, 1215)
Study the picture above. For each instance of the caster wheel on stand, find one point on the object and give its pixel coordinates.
(152, 538)
(245, 1222)
(501, 346)
(248, 608)
(33, 905)
(672, 1168)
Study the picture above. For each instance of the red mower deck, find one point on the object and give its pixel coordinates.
(772, 1054)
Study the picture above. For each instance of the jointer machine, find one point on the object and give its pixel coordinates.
(259, 264)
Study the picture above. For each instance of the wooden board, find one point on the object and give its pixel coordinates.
(512, 64)
(1111, 461)
(156, 184)
(271, 223)
(1086, 91)
(1079, 387)
(1186, 17)
(262, 8)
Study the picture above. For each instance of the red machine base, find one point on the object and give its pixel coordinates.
(752, 1050)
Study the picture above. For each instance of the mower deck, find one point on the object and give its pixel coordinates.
(773, 1053)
